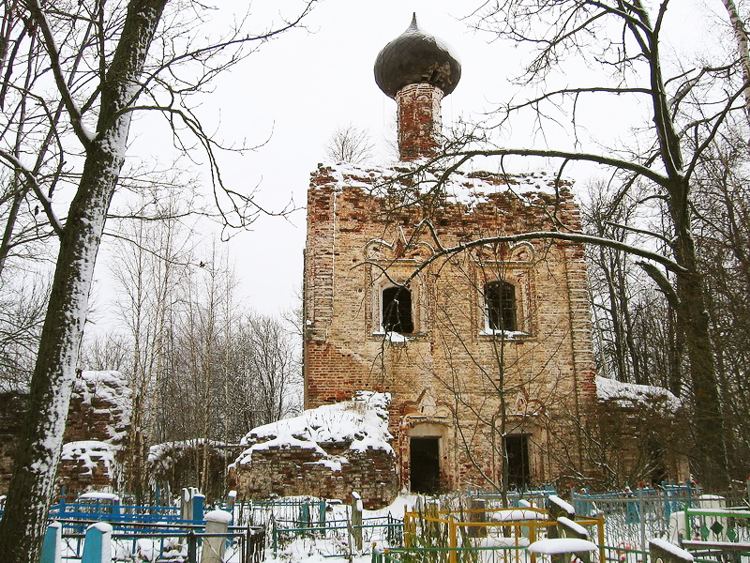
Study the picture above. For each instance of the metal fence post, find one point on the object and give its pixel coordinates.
(642, 519)
(274, 538)
(453, 535)
(192, 547)
(322, 505)
(97, 545)
(199, 503)
(304, 515)
(356, 525)
(52, 546)
(600, 537)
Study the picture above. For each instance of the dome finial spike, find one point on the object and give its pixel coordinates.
(413, 24)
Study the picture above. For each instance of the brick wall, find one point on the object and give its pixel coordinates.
(361, 223)
(294, 471)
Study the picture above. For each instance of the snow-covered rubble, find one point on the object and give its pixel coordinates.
(331, 451)
(361, 422)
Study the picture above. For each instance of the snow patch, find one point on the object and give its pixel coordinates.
(632, 394)
(499, 541)
(395, 338)
(558, 546)
(219, 516)
(516, 515)
(91, 453)
(505, 334)
(672, 549)
(99, 496)
(575, 526)
(561, 504)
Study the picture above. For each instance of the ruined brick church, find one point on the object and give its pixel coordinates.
(486, 351)
(446, 347)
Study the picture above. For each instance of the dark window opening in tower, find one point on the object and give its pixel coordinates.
(517, 458)
(500, 304)
(396, 310)
(424, 465)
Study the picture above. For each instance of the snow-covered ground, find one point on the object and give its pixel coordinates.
(324, 549)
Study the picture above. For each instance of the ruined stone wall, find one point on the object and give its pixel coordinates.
(328, 452)
(295, 471)
(99, 408)
(445, 377)
(636, 444)
(173, 466)
(95, 436)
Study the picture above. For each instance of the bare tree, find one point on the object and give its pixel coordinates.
(149, 266)
(109, 352)
(349, 144)
(22, 310)
(624, 38)
(103, 66)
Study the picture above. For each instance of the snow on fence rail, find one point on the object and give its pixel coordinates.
(634, 517)
(535, 497)
(243, 545)
(305, 510)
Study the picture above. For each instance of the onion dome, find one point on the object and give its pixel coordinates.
(416, 57)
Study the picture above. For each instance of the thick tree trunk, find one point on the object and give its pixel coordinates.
(32, 484)
(692, 314)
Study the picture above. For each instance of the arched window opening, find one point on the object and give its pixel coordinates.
(500, 303)
(396, 310)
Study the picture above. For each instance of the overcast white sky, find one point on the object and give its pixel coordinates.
(307, 83)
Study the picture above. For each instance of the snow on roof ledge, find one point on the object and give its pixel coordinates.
(632, 394)
(468, 188)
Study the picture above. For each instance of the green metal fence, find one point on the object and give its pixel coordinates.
(633, 517)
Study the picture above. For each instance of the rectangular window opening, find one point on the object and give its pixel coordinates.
(500, 304)
(396, 310)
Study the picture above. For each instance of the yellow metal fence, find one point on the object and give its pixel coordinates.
(442, 524)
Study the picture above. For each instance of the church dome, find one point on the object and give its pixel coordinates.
(416, 57)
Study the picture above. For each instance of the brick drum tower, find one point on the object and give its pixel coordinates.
(410, 288)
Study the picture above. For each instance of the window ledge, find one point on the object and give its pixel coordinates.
(395, 338)
(505, 334)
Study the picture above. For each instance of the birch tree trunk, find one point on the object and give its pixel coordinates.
(738, 27)
(31, 487)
